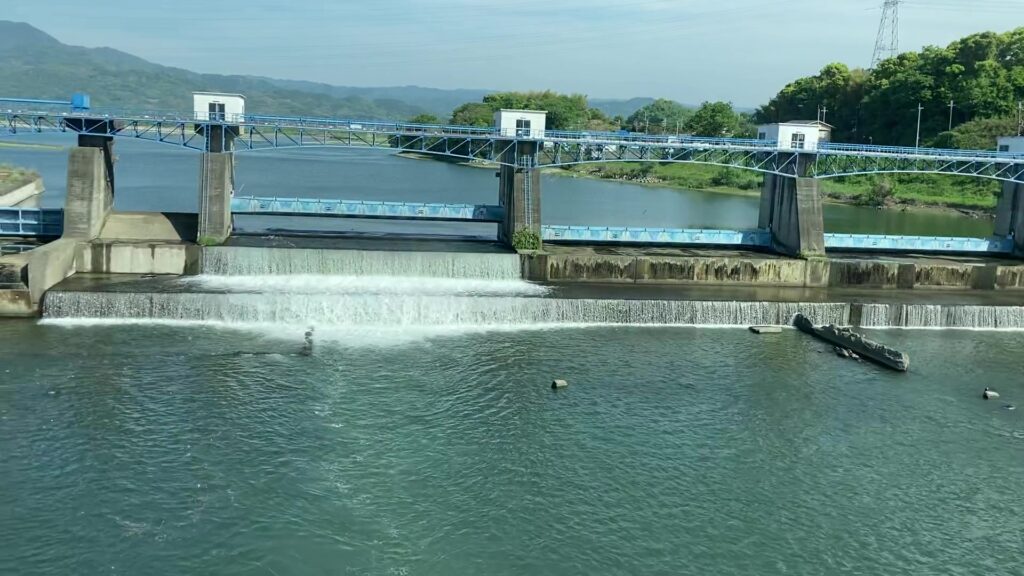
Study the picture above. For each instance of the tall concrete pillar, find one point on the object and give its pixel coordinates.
(1010, 215)
(791, 210)
(519, 191)
(90, 189)
(216, 186)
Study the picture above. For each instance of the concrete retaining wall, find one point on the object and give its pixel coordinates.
(136, 258)
(588, 265)
(48, 265)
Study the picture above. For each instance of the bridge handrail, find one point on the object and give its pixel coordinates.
(916, 151)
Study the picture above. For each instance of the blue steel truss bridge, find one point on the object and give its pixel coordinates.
(252, 132)
(790, 218)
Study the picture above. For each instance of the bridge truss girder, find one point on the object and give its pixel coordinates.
(836, 165)
(571, 153)
(188, 133)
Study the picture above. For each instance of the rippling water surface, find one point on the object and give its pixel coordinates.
(146, 449)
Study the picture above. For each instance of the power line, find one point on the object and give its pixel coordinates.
(887, 44)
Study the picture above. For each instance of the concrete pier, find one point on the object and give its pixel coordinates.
(791, 210)
(519, 192)
(1010, 215)
(90, 190)
(216, 185)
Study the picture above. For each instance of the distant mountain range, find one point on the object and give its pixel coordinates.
(34, 64)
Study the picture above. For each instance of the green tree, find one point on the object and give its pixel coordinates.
(982, 75)
(659, 117)
(565, 112)
(977, 134)
(425, 119)
(473, 114)
(713, 119)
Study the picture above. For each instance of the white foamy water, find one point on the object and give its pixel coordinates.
(935, 316)
(321, 284)
(408, 310)
(393, 297)
(233, 261)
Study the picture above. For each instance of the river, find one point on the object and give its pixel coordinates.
(162, 177)
(178, 426)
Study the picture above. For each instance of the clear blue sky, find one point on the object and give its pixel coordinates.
(689, 50)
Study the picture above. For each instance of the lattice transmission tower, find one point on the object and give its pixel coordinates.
(887, 45)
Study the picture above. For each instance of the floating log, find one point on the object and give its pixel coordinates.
(850, 341)
(555, 385)
(766, 329)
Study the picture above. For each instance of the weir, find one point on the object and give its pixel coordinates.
(441, 292)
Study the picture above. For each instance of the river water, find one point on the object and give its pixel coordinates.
(176, 426)
(162, 177)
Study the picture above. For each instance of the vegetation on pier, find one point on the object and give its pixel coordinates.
(13, 177)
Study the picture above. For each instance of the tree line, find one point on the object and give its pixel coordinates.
(573, 112)
(967, 94)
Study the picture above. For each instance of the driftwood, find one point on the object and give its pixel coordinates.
(846, 339)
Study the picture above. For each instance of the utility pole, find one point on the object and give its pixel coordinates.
(1020, 118)
(824, 113)
(950, 115)
(647, 124)
(917, 142)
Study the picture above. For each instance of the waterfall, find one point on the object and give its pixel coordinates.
(398, 310)
(430, 292)
(942, 316)
(236, 261)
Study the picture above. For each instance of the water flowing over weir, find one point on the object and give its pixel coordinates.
(437, 292)
(223, 261)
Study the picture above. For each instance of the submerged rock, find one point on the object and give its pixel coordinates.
(855, 344)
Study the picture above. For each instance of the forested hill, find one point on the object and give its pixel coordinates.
(982, 75)
(36, 65)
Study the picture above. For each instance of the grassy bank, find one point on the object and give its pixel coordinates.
(891, 190)
(12, 177)
(27, 146)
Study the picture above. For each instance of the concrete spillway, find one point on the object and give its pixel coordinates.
(244, 261)
(450, 290)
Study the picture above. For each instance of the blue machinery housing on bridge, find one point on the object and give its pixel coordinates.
(790, 218)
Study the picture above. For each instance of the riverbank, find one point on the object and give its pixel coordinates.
(24, 146)
(969, 196)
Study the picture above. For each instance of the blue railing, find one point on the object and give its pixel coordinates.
(31, 222)
(762, 239)
(610, 234)
(878, 242)
(366, 209)
(915, 151)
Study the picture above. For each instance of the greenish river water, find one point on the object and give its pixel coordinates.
(139, 449)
